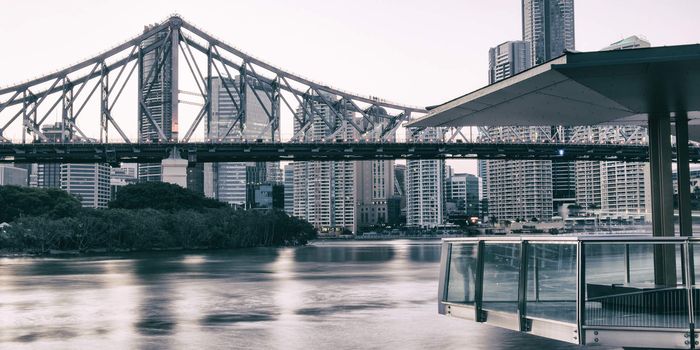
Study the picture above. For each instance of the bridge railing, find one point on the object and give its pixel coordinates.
(578, 289)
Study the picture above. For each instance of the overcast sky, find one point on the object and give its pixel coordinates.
(415, 52)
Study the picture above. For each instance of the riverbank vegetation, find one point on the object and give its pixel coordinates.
(144, 216)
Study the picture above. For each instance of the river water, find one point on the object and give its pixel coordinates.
(328, 295)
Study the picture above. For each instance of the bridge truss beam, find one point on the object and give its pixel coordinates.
(156, 54)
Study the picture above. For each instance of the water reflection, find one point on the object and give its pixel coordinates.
(155, 304)
(424, 252)
(340, 295)
(340, 253)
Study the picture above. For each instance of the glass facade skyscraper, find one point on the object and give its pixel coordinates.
(229, 181)
(548, 25)
(159, 93)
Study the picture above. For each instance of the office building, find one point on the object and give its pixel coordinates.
(159, 100)
(374, 180)
(462, 192)
(548, 26)
(425, 179)
(266, 196)
(12, 176)
(90, 183)
(120, 177)
(228, 181)
(48, 175)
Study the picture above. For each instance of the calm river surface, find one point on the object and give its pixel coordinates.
(328, 295)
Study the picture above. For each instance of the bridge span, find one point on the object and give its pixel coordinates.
(318, 151)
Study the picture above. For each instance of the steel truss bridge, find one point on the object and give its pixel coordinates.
(89, 99)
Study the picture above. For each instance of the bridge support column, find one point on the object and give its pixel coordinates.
(174, 169)
(660, 159)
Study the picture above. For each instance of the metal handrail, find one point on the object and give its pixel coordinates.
(660, 308)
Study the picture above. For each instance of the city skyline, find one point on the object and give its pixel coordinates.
(399, 51)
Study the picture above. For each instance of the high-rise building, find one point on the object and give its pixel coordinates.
(374, 180)
(90, 183)
(289, 189)
(505, 197)
(425, 179)
(519, 189)
(618, 189)
(228, 181)
(548, 28)
(548, 25)
(508, 59)
(158, 99)
(563, 175)
(324, 192)
(400, 194)
(588, 181)
(482, 173)
(12, 176)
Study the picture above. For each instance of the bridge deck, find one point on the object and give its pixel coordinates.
(235, 152)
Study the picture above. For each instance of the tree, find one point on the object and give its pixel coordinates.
(24, 201)
(162, 196)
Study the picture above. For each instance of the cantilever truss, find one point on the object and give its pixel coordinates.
(153, 57)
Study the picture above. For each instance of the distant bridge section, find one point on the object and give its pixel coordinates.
(319, 151)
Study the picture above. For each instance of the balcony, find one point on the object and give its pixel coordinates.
(581, 290)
